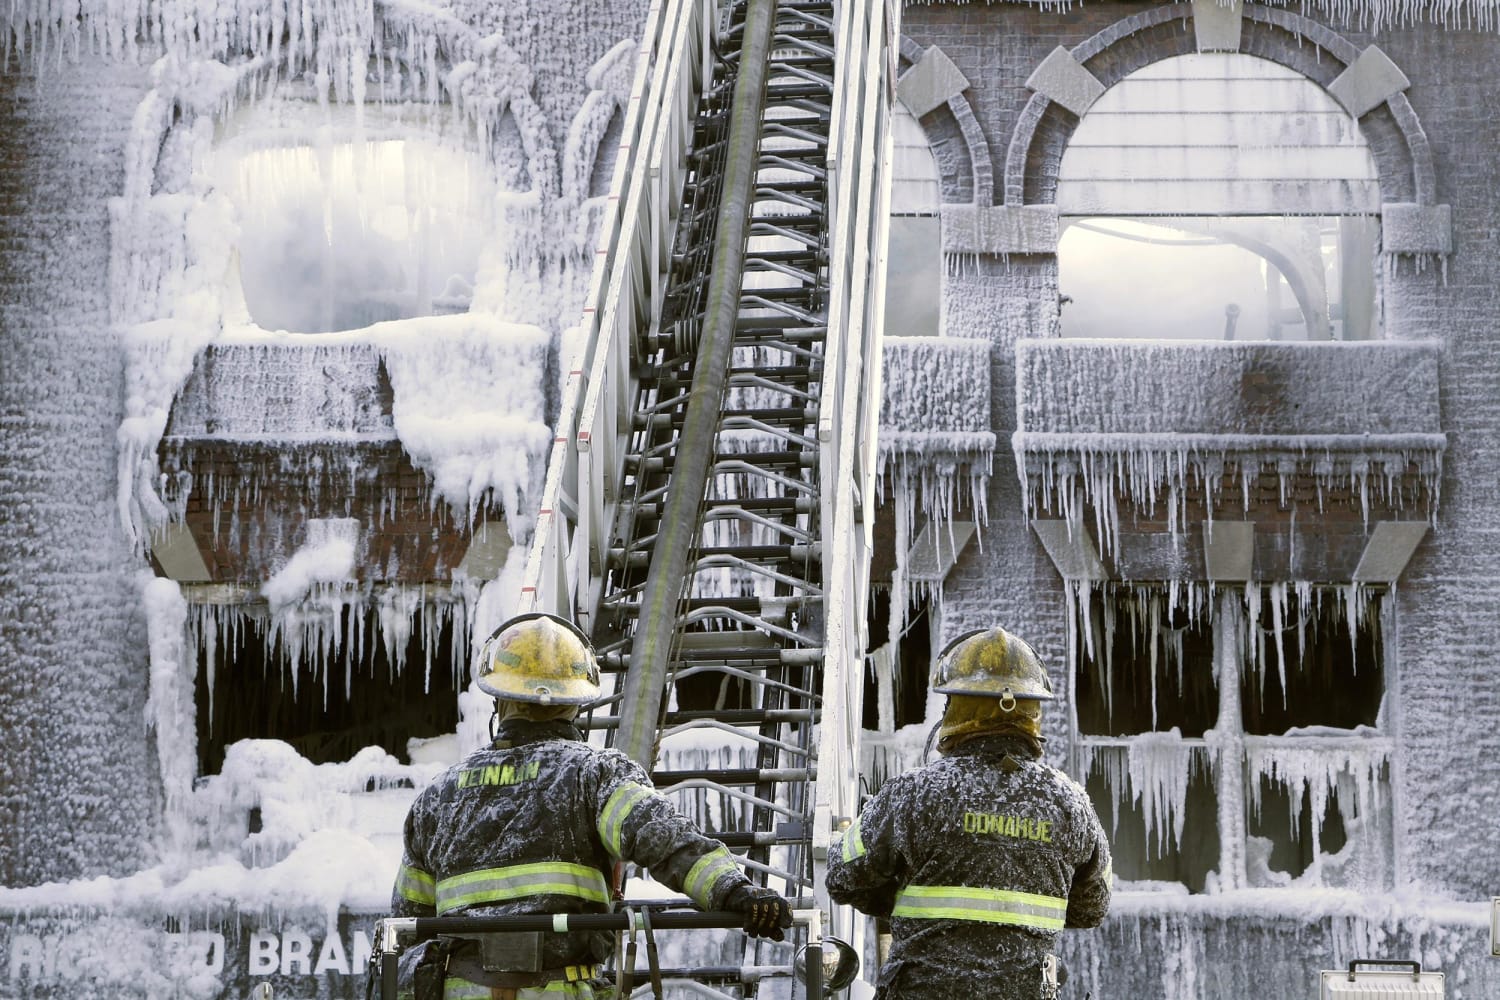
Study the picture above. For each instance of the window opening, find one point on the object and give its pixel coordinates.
(1299, 730)
(909, 664)
(1218, 196)
(1149, 854)
(329, 708)
(343, 235)
(1146, 666)
(1281, 840)
(1315, 673)
(913, 282)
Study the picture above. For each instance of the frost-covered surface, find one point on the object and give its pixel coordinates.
(940, 471)
(314, 622)
(470, 394)
(1247, 942)
(1157, 474)
(1151, 771)
(1079, 386)
(936, 384)
(327, 841)
(323, 846)
(1218, 946)
(430, 75)
(470, 390)
(1372, 14)
(1103, 423)
(936, 438)
(272, 838)
(468, 407)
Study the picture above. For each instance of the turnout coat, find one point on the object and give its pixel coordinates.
(534, 823)
(979, 859)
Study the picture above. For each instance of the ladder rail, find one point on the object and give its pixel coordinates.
(849, 413)
(784, 506)
(566, 560)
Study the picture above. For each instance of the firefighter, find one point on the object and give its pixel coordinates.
(535, 823)
(982, 857)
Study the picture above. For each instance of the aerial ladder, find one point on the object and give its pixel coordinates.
(708, 503)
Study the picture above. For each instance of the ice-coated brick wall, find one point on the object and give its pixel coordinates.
(1449, 703)
(75, 785)
(1444, 705)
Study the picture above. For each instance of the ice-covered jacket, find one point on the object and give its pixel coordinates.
(980, 859)
(534, 824)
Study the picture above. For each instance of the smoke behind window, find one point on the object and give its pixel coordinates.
(341, 236)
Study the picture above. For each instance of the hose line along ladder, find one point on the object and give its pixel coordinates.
(708, 502)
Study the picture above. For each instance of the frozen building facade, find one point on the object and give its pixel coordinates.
(287, 287)
(1239, 508)
(1187, 381)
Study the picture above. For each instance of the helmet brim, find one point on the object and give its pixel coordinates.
(1000, 691)
(554, 692)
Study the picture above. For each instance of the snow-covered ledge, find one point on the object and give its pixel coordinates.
(1148, 423)
(936, 436)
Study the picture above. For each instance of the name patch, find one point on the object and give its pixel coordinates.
(1022, 827)
(499, 774)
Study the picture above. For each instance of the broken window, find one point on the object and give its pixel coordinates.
(898, 671)
(328, 693)
(1162, 648)
(1218, 196)
(339, 235)
(1234, 738)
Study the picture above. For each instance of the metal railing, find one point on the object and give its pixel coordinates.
(393, 935)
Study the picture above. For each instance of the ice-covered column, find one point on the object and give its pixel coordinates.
(1229, 739)
(74, 797)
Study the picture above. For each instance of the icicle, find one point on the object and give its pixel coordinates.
(1152, 771)
(1255, 653)
(1159, 768)
(1278, 630)
(169, 709)
(1312, 770)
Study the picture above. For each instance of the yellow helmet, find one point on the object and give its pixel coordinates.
(992, 663)
(538, 658)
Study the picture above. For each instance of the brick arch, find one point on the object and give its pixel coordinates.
(965, 168)
(1403, 157)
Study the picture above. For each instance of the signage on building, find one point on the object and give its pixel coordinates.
(109, 957)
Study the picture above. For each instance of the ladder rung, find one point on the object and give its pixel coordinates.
(732, 716)
(703, 642)
(709, 974)
(733, 776)
(615, 661)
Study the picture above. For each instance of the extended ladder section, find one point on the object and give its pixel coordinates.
(707, 511)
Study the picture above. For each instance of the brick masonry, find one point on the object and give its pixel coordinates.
(1444, 703)
(74, 798)
(66, 573)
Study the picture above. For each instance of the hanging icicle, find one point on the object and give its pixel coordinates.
(1152, 773)
(1161, 475)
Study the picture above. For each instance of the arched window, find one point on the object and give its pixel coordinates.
(1218, 196)
(341, 234)
(913, 291)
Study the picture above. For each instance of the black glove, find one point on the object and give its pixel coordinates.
(766, 913)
